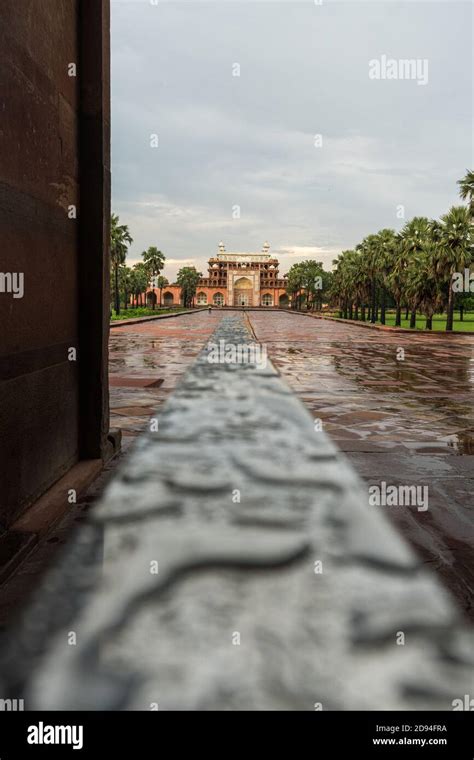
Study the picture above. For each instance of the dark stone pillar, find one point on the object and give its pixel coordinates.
(54, 144)
(94, 286)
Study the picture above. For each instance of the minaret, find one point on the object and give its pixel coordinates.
(266, 248)
(221, 248)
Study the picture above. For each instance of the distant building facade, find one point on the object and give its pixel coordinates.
(234, 279)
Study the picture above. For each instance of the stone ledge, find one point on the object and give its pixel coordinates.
(233, 563)
(22, 537)
(50, 508)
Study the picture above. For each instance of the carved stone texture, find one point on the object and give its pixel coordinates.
(242, 568)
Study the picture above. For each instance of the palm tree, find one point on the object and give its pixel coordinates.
(466, 190)
(161, 282)
(295, 284)
(413, 235)
(454, 251)
(369, 249)
(120, 239)
(154, 261)
(338, 293)
(134, 283)
(335, 286)
(351, 266)
(140, 282)
(349, 283)
(187, 279)
(306, 279)
(387, 248)
(422, 282)
(397, 278)
(125, 283)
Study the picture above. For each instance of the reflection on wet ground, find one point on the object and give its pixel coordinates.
(146, 362)
(405, 421)
(398, 404)
(401, 406)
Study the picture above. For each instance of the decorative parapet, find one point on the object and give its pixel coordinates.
(233, 563)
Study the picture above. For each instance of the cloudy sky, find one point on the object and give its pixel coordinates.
(249, 141)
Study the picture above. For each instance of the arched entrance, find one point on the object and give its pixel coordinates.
(168, 299)
(151, 299)
(243, 292)
(283, 301)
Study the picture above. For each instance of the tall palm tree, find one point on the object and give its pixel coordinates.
(120, 239)
(161, 282)
(141, 282)
(126, 284)
(336, 282)
(454, 251)
(466, 190)
(352, 286)
(387, 248)
(361, 286)
(187, 279)
(415, 232)
(295, 285)
(397, 278)
(422, 282)
(154, 261)
(361, 266)
(339, 283)
(369, 249)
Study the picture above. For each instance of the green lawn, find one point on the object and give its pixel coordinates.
(142, 312)
(439, 321)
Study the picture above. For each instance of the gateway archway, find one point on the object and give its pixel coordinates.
(243, 292)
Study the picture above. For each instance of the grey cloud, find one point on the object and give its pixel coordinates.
(248, 140)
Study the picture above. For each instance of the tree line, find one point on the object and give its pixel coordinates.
(307, 283)
(413, 269)
(130, 284)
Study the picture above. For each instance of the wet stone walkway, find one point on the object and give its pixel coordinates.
(234, 564)
(405, 421)
(146, 362)
(400, 405)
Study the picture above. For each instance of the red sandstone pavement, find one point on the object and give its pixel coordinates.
(404, 421)
(146, 362)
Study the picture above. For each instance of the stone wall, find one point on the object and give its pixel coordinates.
(175, 290)
(54, 213)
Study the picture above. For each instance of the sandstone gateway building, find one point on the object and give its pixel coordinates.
(235, 279)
